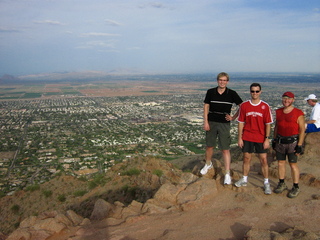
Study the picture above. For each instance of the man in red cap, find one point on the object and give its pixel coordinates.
(289, 133)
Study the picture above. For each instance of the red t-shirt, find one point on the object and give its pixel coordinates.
(255, 117)
(288, 122)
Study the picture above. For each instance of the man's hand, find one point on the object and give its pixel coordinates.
(266, 143)
(298, 150)
(206, 126)
(274, 141)
(228, 117)
(240, 143)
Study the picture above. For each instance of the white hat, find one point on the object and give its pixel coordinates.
(311, 96)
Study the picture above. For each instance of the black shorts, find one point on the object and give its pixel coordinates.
(292, 157)
(253, 147)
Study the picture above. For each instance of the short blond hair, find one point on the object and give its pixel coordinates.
(223, 74)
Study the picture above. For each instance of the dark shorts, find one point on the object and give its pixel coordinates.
(292, 157)
(286, 149)
(220, 131)
(253, 147)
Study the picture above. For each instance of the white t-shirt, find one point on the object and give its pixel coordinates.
(315, 114)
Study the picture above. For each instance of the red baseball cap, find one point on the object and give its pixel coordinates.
(288, 94)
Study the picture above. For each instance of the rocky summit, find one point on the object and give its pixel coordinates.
(149, 198)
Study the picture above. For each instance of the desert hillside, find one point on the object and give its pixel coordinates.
(149, 198)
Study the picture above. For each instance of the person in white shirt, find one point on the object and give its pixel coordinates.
(313, 124)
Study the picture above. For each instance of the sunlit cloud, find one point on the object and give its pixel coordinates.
(95, 44)
(100, 34)
(158, 5)
(8, 30)
(112, 23)
(49, 22)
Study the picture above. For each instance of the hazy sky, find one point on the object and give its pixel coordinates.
(165, 36)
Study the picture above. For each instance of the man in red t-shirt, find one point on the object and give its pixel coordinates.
(289, 133)
(254, 125)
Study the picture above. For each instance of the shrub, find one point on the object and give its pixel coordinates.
(15, 208)
(82, 178)
(158, 172)
(132, 172)
(80, 193)
(33, 188)
(2, 194)
(62, 198)
(97, 180)
(47, 193)
(92, 185)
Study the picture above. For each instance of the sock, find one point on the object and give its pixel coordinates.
(245, 178)
(228, 172)
(296, 185)
(266, 180)
(281, 180)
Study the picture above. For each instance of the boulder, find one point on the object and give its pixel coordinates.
(74, 218)
(101, 210)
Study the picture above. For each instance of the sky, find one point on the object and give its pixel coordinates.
(165, 36)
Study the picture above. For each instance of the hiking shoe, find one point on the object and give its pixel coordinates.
(294, 192)
(227, 179)
(267, 189)
(281, 187)
(241, 183)
(205, 169)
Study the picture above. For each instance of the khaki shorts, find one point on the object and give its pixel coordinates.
(220, 131)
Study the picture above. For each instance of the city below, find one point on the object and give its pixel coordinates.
(84, 128)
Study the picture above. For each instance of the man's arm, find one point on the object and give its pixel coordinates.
(236, 114)
(275, 131)
(302, 129)
(240, 131)
(266, 143)
(206, 126)
(310, 121)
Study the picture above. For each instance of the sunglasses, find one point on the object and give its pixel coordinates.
(255, 91)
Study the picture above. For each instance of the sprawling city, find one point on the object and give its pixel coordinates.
(85, 128)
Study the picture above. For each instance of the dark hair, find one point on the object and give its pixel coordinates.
(223, 74)
(255, 85)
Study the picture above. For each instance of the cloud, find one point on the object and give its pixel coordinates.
(112, 23)
(153, 5)
(100, 34)
(98, 44)
(8, 30)
(49, 22)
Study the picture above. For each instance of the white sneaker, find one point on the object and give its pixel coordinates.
(205, 169)
(241, 183)
(267, 189)
(227, 179)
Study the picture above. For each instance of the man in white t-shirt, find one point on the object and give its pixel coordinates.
(313, 124)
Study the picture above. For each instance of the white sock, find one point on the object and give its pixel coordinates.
(266, 180)
(245, 178)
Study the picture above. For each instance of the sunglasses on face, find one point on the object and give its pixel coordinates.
(255, 91)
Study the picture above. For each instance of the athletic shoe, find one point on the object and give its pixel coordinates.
(281, 187)
(241, 183)
(267, 189)
(227, 179)
(205, 169)
(294, 192)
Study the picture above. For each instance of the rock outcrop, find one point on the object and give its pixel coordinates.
(181, 191)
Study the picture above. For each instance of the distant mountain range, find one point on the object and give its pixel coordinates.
(125, 74)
